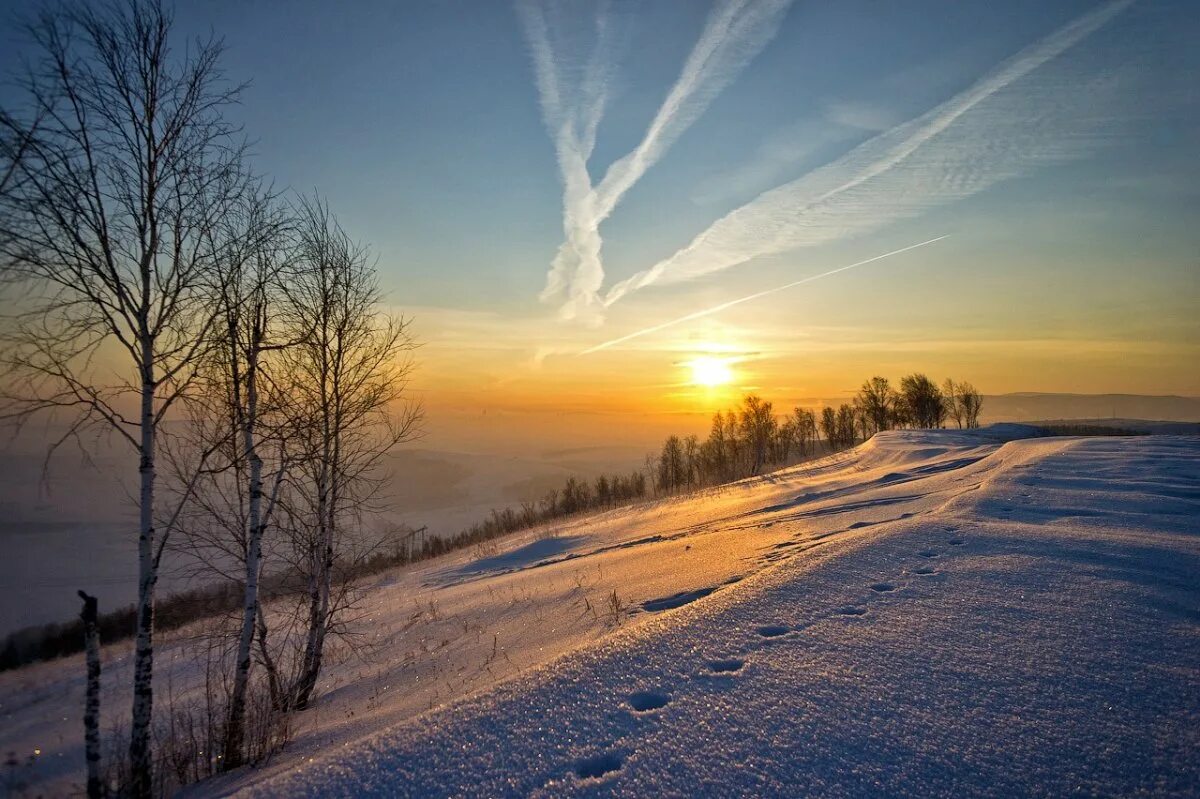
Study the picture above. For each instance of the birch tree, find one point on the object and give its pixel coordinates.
(105, 226)
(350, 375)
(243, 416)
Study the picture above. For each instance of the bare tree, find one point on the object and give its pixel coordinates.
(127, 164)
(350, 375)
(878, 402)
(971, 403)
(921, 402)
(691, 461)
(758, 430)
(672, 468)
(244, 413)
(953, 400)
(847, 421)
(806, 429)
(829, 427)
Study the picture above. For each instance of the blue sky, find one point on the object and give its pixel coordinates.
(423, 125)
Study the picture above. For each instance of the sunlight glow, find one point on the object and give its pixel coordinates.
(710, 371)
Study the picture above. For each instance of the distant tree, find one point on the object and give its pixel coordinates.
(786, 439)
(878, 402)
(921, 402)
(692, 466)
(845, 425)
(865, 427)
(953, 400)
(650, 470)
(829, 428)
(549, 503)
(971, 403)
(758, 430)
(716, 452)
(604, 491)
(671, 465)
(637, 481)
(575, 496)
(735, 450)
(806, 429)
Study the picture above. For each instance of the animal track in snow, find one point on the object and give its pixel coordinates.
(726, 665)
(645, 701)
(883, 588)
(927, 553)
(773, 630)
(852, 610)
(925, 571)
(956, 542)
(590, 768)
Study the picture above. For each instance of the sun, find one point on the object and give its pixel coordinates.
(710, 371)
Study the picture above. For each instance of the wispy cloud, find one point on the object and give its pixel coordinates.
(735, 32)
(787, 150)
(749, 297)
(573, 93)
(1000, 127)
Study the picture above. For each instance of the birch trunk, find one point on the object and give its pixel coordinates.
(140, 762)
(235, 728)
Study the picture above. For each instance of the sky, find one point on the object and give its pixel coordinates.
(540, 180)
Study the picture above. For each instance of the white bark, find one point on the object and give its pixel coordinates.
(143, 658)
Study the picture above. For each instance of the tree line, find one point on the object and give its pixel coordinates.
(747, 439)
(229, 337)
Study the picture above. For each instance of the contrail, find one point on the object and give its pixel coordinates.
(573, 99)
(985, 134)
(749, 297)
(734, 33)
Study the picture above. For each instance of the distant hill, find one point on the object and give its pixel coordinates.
(1031, 406)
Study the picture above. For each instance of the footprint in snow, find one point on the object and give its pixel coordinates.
(852, 610)
(676, 600)
(925, 571)
(726, 665)
(595, 767)
(883, 588)
(956, 542)
(773, 630)
(645, 701)
(927, 553)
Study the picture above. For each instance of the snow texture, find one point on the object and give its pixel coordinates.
(934, 613)
(1029, 626)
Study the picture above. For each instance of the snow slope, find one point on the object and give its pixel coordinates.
(931, 613)
(1035, 633)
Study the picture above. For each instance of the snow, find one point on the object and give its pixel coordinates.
(933, 613)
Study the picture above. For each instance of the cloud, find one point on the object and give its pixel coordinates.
(787, 149)
(734, 33)
(749, 297)
(860, 116)
(1003, 125)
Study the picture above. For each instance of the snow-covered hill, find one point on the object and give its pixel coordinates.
(932, 613)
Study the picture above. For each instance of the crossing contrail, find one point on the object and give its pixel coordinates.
(718, 308)
(573, 96)
(1029, 111)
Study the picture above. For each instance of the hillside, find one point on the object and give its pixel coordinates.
(933, 612)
